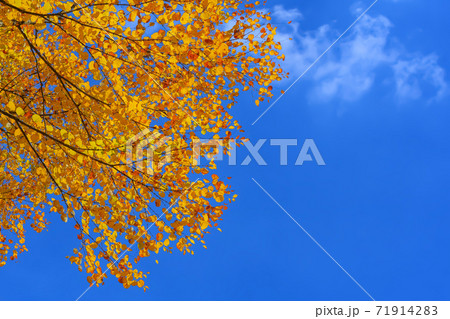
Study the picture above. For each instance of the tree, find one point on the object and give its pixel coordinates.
(80, 79)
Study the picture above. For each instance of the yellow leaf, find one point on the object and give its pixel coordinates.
(133, 15)
(47, 6)
(205, 15)
(36, 118)
(117, 63)
(219, 70)
(223, 49)
(11, 106)
(185, 18)
(19, 111)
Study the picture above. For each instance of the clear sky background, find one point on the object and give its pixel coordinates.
(377, 107)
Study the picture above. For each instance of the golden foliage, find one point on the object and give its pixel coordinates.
(80, 78)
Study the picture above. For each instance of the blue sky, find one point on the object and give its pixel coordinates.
(377, 107)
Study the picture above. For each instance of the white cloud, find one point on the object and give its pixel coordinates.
(280, 14)
(351, 73)
(351, 67)
(409, 75)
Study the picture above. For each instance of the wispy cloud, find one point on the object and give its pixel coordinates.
(354, 65)
(410, 75)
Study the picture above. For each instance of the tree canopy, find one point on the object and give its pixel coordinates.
(79, 79)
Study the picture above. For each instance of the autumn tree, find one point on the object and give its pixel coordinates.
(80, 79)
